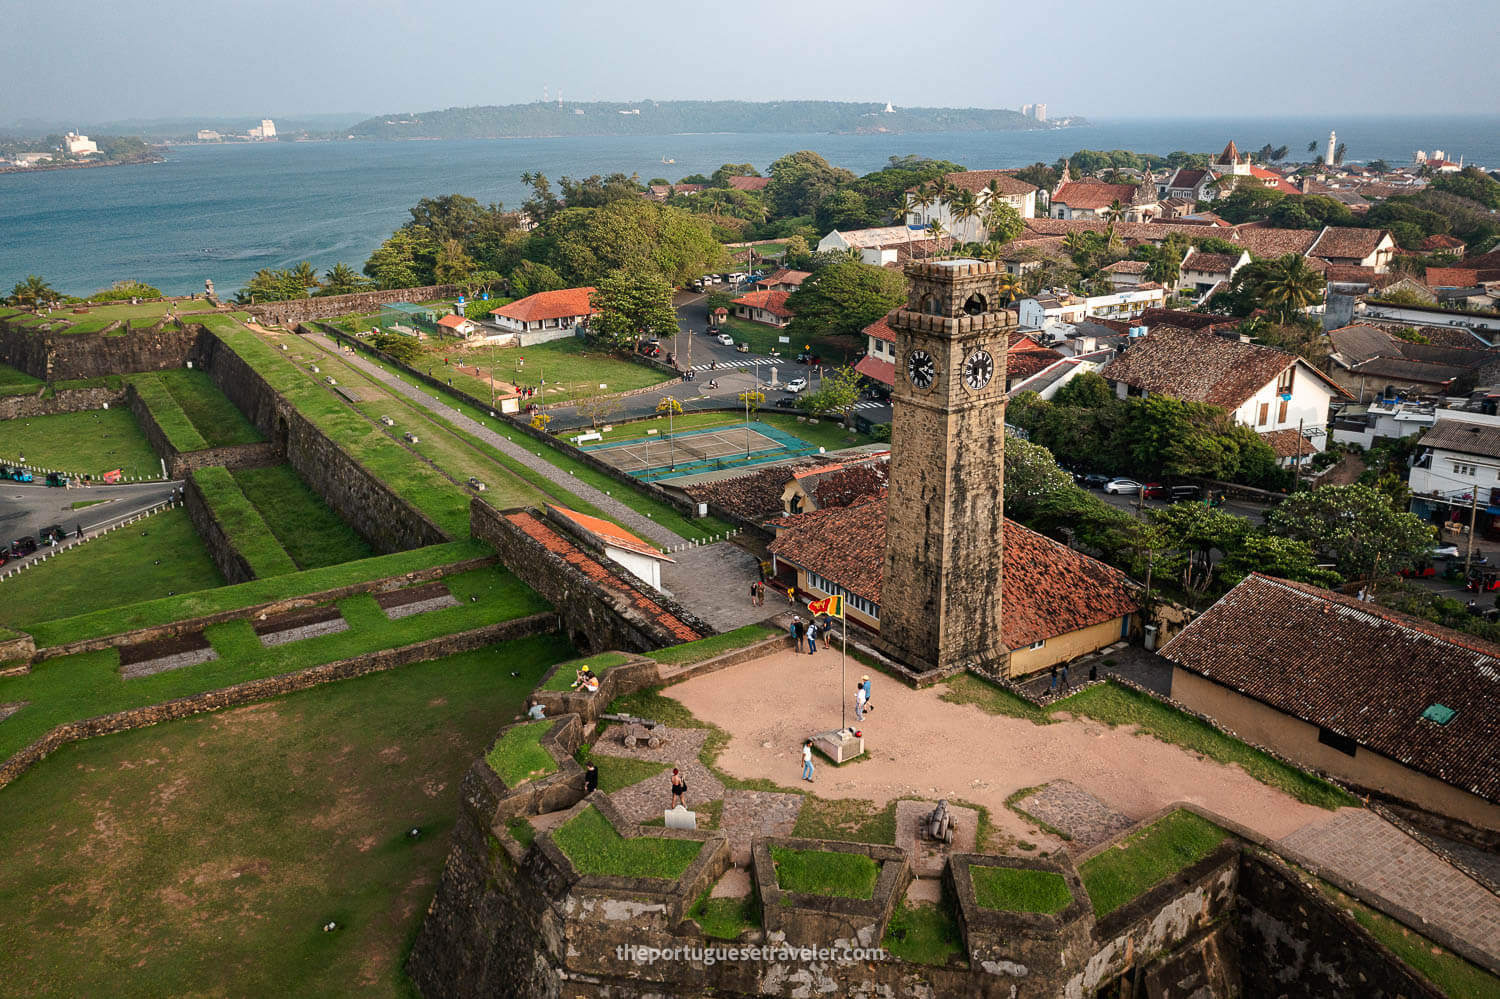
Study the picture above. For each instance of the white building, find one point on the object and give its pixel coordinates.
(79, 145)
(547, 315)
(618, 545)
(1456, 473)
(1038, 313)
(1382, 418)
(209, 135)
(878, 247)
(985, 186)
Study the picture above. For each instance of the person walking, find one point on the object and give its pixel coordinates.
(859, 702)
(679, 788)
(1052, 687)
(798, 631)
(807, 766)
(752, 594)
(760, 594)
(865, 682)
(1065, 676)
(791, 595)
(812, 639)
(591, 779)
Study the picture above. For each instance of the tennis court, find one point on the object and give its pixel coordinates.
(663, 456)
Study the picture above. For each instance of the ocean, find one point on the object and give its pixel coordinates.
(225, 211)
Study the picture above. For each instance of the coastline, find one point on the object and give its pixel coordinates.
(84, 165)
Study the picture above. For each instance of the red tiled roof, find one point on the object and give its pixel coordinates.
(1345, 243)
(564, 304)
(1460, 277)
(1025, 363)
(999, 180)
(1442, 241)
(1230, 155)
(773, 302)
(1265, 242)
(608, 533)
(749, 183)
(1092, 194)
(881, 330)
(1372, 675)
(873, 367)
(1287, 443)
(1127, 267)
(1047, 589)
(453, 321)
(785, 276)
(1198, 366)
(1210, 263)
(1186, 177)
(590, 566)
(1182, 319)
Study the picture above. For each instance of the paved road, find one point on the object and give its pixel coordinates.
(692, 347)
(26, 508)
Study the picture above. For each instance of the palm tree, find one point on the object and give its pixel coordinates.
(341, 279)
(921, 199)
(935, 231)
(964, 208)
(1007, 286)
(303, 276)
(32, 292)
(1292, 285)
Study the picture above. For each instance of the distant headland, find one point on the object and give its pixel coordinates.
(559, 118)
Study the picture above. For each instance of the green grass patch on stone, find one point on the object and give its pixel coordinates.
(1454, 976)
(714, 645)
(151, 558)
(211, 818)
(1117, 705)
(924, 934)
(209, 409)
(965, 688)
(725, 918)
(1017, 889)
(312, 534)
(568, 672)
(522, 831)
(518, 755)
(852, 820)
(1146, 858)
(89, 684)
(87, 443)
(14, 381)
(168, 414)
(242, 523)
(618, 772)
(820, 872)
(134, 609)
(81, 504)
(593, 846)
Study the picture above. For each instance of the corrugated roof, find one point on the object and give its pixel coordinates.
(1465, 438)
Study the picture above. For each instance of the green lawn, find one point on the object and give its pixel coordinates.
(89, 684)
(88, 443)
(203, 856)
(212, 414)
(707, 648)
(1016, 889)
(1454, 976)
(965, 688)
(51, 629)
(150, 558)
(168, 414)
(725, 918)
(518, 755)
(568, 672)
(145, 314)
(1146, 858)
(591, 843)
(849, 820)
(819, 872)
(16, 382)
(312, 534)
(242, 523)
(923, 933)
(572, 368)
(618, 772)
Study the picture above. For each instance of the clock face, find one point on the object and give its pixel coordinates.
(920, 369)
(979, 368)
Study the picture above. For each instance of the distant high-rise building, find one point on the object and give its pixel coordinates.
(79, 145)
(1026, 109)
(267, 128)
(1041, 112)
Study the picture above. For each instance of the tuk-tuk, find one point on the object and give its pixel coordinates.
(1420, 569)
(1483, 581)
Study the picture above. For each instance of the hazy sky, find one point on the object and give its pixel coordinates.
(98, 60)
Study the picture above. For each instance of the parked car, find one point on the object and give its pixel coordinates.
(1445, 551)
(1179, 493)
(725, 339)
(21, 547)
(1154, 490)
(54, 533)
(876, 393)
(796, 385)
(1122, 487)
(806, 358)
(1091, 480)
(1420, 569)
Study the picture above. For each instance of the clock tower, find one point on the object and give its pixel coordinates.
(940, 595)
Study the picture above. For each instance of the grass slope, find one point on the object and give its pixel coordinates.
(88, 684)
(1146, 858)
(212, 414)
(148, 559)
(167, 413)
(924, 933)
(242, 523)
(202, 857)
(89, 443)
(312, 534)
(518, 755)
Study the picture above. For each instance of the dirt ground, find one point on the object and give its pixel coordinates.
(918, 744)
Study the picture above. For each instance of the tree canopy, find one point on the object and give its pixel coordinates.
(1355, 527)
(845, 297)
(633, 305)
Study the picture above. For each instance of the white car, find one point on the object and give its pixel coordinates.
(796, 385)
(725, 339)
(1125, 487)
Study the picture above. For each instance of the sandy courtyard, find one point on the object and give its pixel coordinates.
(918, 744)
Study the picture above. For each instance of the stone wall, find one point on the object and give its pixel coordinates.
(232, 565)
(54, 357)
(301, 310)
(273, 686)
(261, 454)
(387, 522)
(41, 403)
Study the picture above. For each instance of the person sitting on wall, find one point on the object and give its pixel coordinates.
(586, 680)
(537, 712)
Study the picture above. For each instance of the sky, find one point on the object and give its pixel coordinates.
(103, 60)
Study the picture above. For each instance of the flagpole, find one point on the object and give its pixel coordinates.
(843, 658)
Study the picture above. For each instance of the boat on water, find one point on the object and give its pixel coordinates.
(668, 160)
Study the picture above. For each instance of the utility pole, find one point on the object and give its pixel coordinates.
(1297, 469)
(1473, 516)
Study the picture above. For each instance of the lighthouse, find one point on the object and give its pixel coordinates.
(1333, 144)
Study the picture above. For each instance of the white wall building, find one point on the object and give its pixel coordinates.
(985, 185)
(80, 145)
(1037, 313)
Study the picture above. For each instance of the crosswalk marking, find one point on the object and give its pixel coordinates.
(724, 364)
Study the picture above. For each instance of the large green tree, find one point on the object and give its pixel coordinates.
(586, 244)
(1032, 475)
(800, 181)
(405, 260)
(837, 393)
(633, 305)
(1356, 528)
(844, 297)
(341, 279)
(32, 292)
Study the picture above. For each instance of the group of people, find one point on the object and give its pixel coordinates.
(808, 631)
(586, 680)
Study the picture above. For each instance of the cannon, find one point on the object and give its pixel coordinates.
(938, 824)
(639, 731)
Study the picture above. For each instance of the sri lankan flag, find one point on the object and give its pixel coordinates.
(832, 606)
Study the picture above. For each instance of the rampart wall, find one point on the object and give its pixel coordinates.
(43, 403)
(53, 356)
(301, 310)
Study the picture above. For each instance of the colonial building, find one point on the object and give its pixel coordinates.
(766, 307)
(618, 545)
(1370, 362)
(1203, 273)
(1092, 199)
(885, 246)
(456, 325)
(1262, 388)
(1037, 313)
(879, 362)
(1456, 473)
(1357, 247)
(557, 312)
(988, 187)
(1389, 703)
